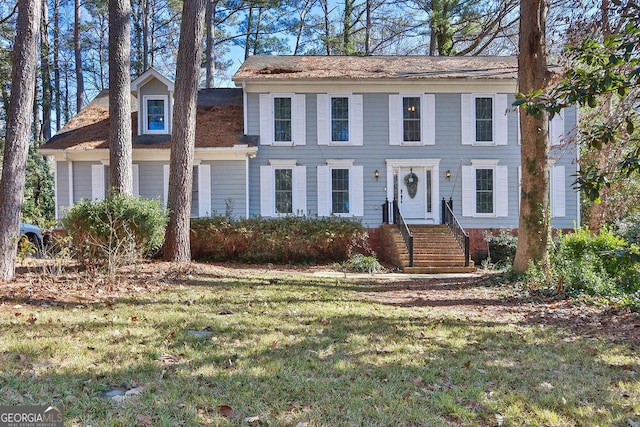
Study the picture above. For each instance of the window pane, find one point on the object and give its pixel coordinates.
(282, 119)
(428, 185)
(340, 190)
(484, 190)
(411, 118)
(155, 114)
(484, 119)
(284, 193)
(340, 119)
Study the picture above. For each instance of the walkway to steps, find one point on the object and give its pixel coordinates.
(435, 250)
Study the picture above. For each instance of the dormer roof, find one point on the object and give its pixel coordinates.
(145, 77)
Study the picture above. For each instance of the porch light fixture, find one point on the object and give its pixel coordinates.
(447, 174)
(376, 174)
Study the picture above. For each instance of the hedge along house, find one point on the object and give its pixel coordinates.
(80, 151)
(355, 136)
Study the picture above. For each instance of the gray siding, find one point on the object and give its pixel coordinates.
(228, 185)
(151, 175)
(62, 183)
(376, 149)
(82, 180)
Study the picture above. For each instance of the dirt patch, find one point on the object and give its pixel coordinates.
(461, 297)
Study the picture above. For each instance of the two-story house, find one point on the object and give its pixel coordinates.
(332, 135)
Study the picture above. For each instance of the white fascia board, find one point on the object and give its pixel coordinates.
(237, 152)
(413, 162)
(387, 86)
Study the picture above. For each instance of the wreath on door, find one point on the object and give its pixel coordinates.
(411, 182)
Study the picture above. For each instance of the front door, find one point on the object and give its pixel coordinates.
(413, 192)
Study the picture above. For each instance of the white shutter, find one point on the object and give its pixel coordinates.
(467, 120)
(299, 177)
(558, 192)
(556, 129)
(356, 191)
(356, 121)
(267, 177)
(266, 119)
(323, 118)
(395, 109)
(324, 191)
(97, 182)
(204, 190)
(165, 183)
(136, 180)
(501, 191)
(299, 120)
(468, 191)
(428, 122)
(500, 119)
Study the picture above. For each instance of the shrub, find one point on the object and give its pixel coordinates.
(629, 228)
(279, 240)
(115, 231)
(364, 264)
(601, 264)
(502, 248)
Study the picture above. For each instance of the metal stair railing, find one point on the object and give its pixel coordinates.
(461, 236)
(407, 235)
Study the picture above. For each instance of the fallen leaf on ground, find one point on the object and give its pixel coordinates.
(226, 411)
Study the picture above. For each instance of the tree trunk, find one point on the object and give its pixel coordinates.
(346, 30)
(533, 75)
(209, 61)
(247, 40)
(177, 242)
(56, 63)
(18, 125)
(367, 34)
(45, 73)
(145, 34)
(77, 47)
(120, 150)
(327, 25)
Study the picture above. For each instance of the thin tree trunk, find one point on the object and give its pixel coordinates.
(327, 25)
(210, 65)
(533, 75)
(120, 150)
(256, 39)
(18, 125)
(136, 13)
(247, 40)
(346, 30)
(367, 35)
(177, 243)
(56, 63)
(45, 73)
(145, 34)
(77, 48)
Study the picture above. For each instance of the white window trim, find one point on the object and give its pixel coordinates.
(298, 188)
(500, 189)
(499, 119)
(355, 119)
(356, 188)
(298, 119)
(145, 117)
(427, 119)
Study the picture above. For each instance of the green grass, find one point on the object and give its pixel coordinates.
(306, 350)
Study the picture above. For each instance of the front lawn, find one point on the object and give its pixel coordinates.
(217, 347)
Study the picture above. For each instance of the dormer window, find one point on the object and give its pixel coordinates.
(155, 114)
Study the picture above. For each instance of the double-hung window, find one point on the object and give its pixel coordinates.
(485, 189)
(283, 179)
(340, 119)
(282, 119)
(484, 119)
(412, 119)
(283, 189)
(156, 114)
(340, 189)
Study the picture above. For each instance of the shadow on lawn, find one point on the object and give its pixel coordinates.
(399, 368)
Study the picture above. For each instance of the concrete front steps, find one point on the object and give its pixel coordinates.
(435, 250)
